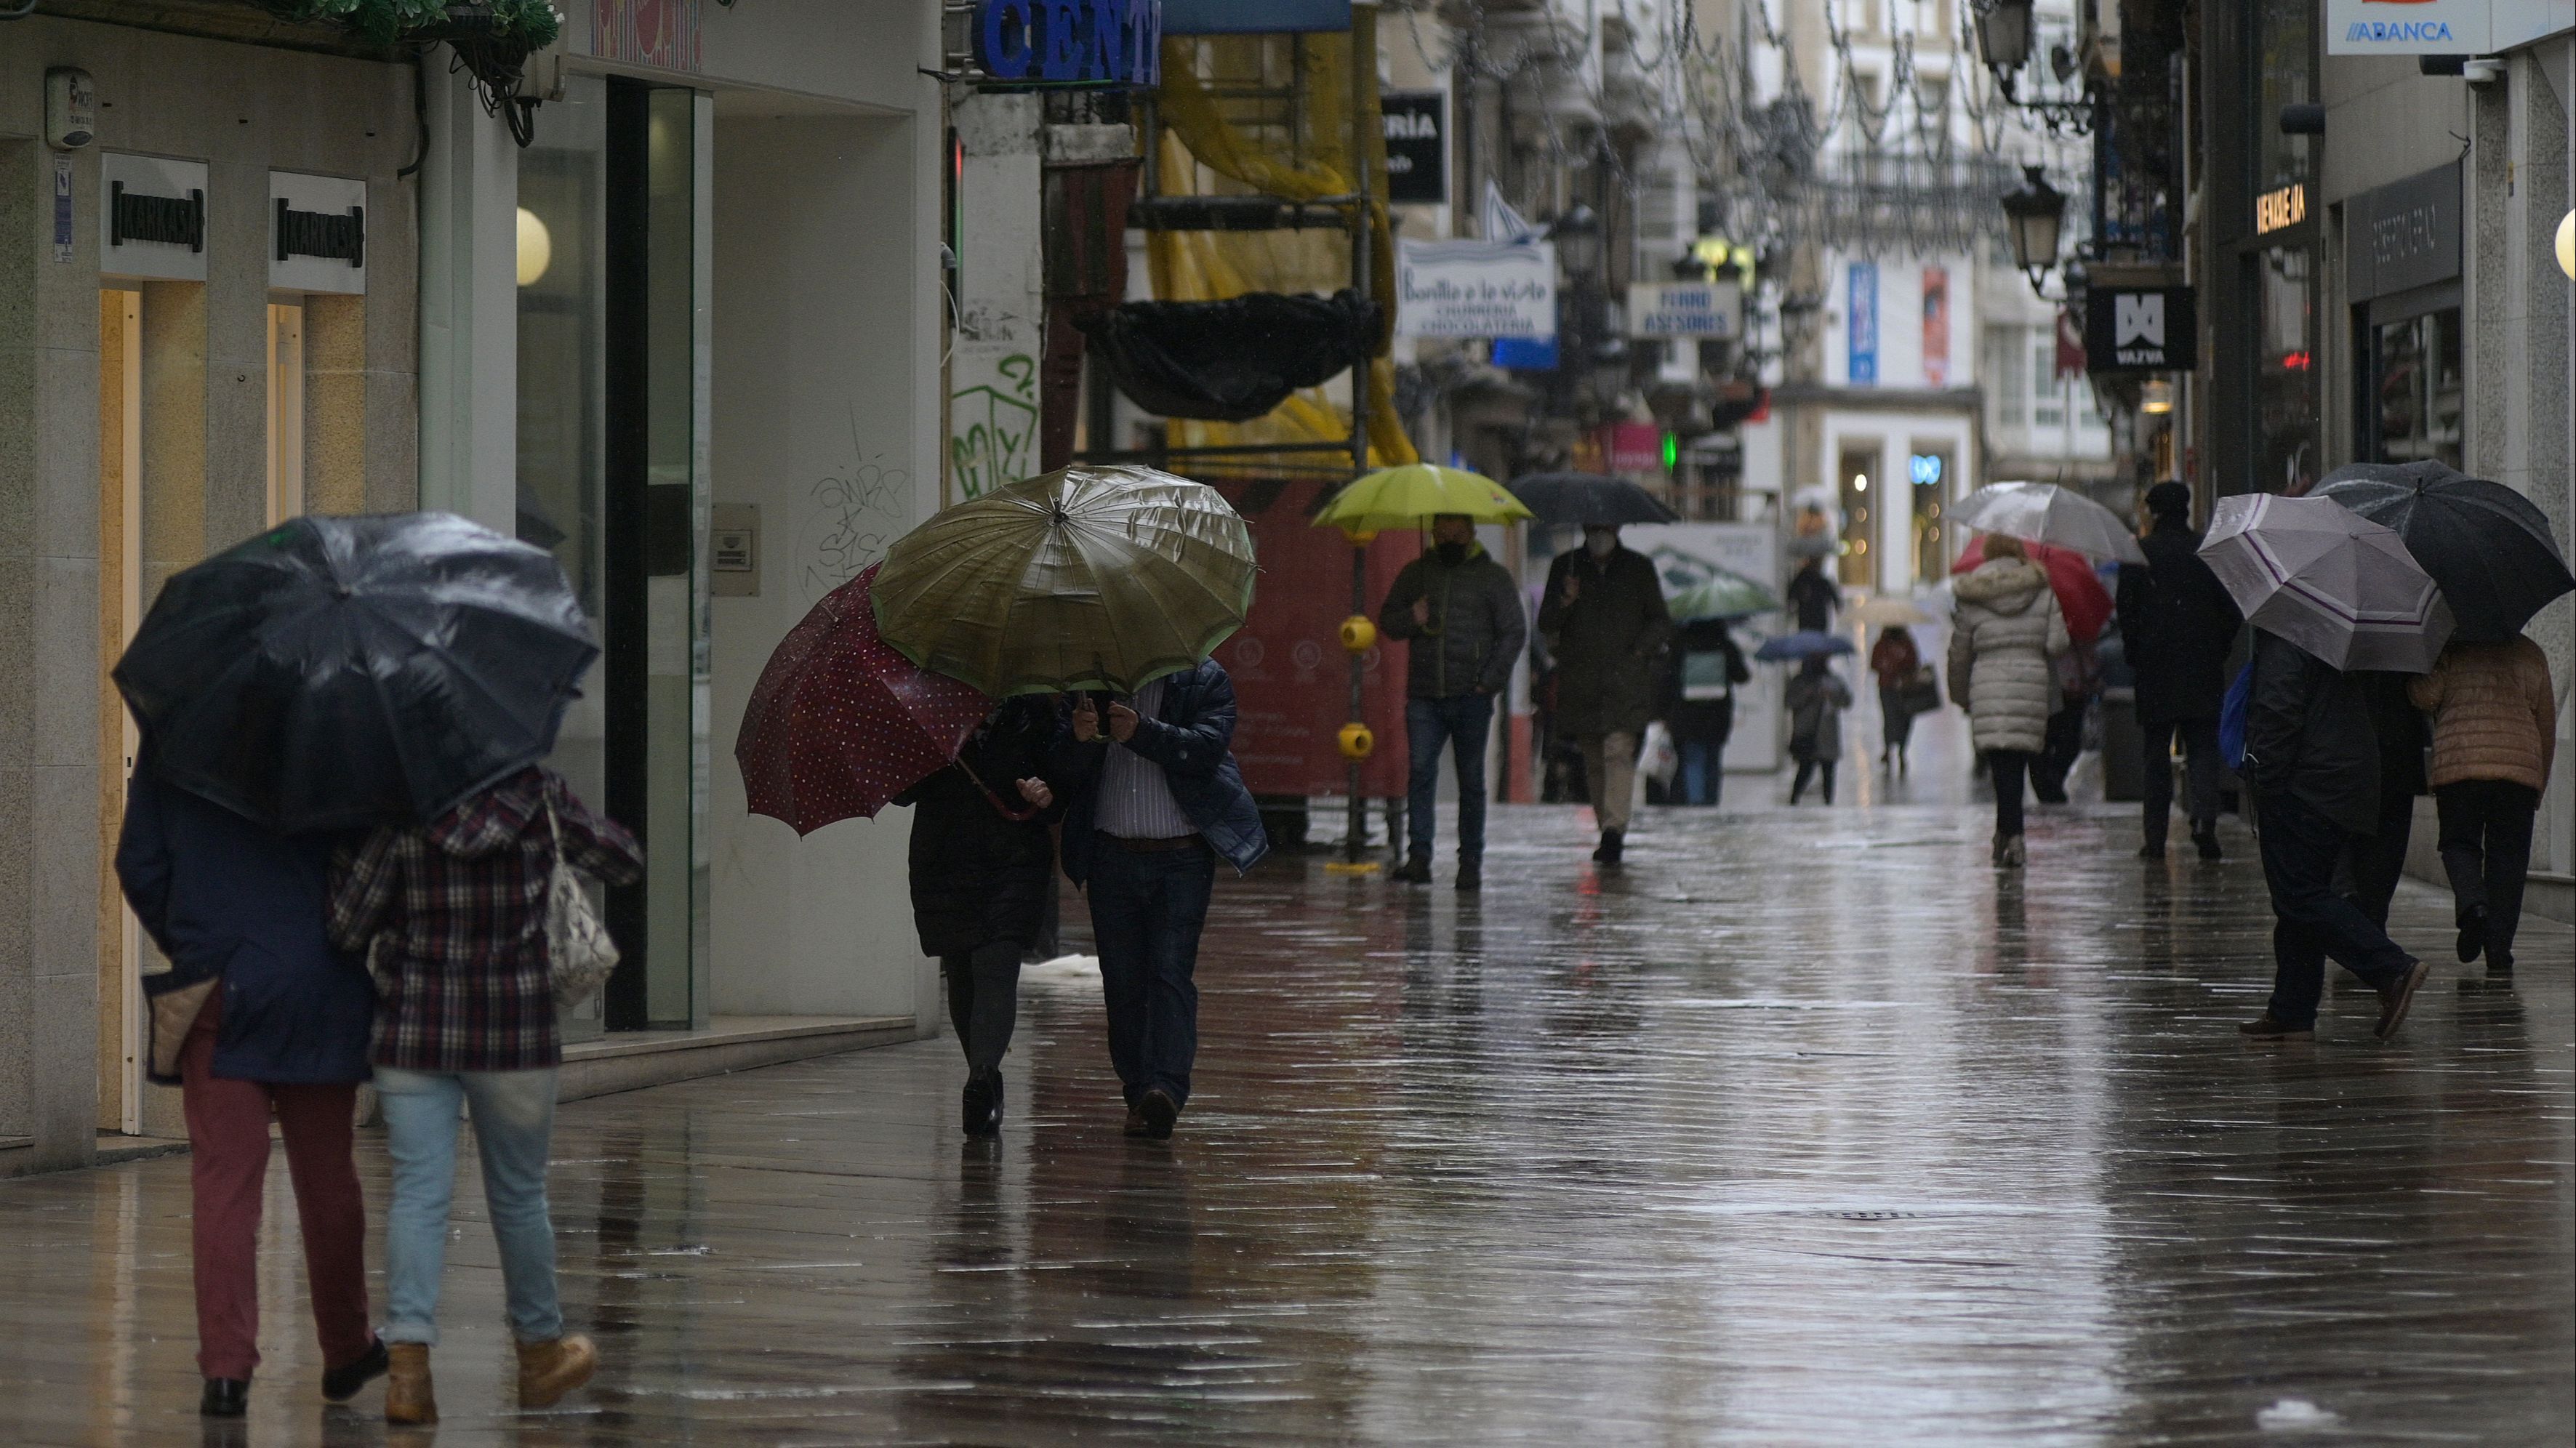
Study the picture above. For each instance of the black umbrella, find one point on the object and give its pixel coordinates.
(339, 672)
(2486, 546)
(1590, 499)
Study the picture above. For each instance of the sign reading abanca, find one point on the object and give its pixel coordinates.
(1071, 42)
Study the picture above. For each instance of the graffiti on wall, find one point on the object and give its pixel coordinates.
(851, 515)
(992, 420)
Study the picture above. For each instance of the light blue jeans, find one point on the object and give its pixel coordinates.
(514, 1116)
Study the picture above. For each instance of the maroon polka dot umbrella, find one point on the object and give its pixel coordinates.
(840, 723)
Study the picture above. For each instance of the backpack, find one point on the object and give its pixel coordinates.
(2231, 718)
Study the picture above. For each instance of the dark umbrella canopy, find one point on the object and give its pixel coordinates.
(1590, 499)
(1804, 644)
(2487, 547)
(334, 673)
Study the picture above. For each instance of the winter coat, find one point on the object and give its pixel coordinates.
(239, 908)
(1816, 703)
(1192, 738)
(1703, 720)
(1814, 597)
(1894, 658)
(2494, 713)
(983, 858)
(2177, 627)
(2309, 734)
(1477, 627)
(465, 982)
(1608, 644)
(2005, 632)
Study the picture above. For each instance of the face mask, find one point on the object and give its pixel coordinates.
(1451, 554)
(1601, 545)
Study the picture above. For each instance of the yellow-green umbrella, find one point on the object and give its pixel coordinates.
(1403, 497)
(1084, 578)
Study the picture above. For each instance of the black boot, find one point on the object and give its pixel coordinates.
(2473, 934)
(1415, 871)
(1471, 876)
(981, 1104)
(2205, 836)
(1613, 843)
(340, 1384)
(225, 1398)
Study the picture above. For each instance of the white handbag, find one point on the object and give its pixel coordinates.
(579, 954)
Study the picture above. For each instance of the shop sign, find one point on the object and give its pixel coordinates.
(2441, 27)
(1860, 317)
(1071, 42)
(1475, 289)
(1254, 17)
(667, 34)
(1936, 326)
(1417, 146)
(2140, 329)
(152, 219)
(2281, 207)
(317, 234)
(1712, 311)
(2403, 235)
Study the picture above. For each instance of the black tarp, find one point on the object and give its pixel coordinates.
(1234, 360)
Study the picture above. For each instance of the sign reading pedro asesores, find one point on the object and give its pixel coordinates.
(1071, 42)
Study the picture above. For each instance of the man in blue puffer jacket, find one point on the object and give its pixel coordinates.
(258, 1013)
(1154, 799)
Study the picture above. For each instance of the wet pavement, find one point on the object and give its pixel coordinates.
(1807, 1127)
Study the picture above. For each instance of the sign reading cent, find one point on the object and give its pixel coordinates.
(1071, 42)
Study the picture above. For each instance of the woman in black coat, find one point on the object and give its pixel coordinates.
(983, 866)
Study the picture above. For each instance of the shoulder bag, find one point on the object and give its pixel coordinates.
(579, 954)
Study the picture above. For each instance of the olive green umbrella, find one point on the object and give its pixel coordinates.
(1084, 578)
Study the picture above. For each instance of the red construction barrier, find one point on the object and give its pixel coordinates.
(1291, 677)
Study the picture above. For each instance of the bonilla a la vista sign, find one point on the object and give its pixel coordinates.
(1475, 289)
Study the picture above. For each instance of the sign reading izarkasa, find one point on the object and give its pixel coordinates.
(2441, 27)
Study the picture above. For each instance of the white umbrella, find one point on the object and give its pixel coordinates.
(2329, 580)
(2047, 513)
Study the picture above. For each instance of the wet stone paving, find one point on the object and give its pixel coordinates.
(1807, 1127)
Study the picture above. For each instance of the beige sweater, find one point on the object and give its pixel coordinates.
(2494, 715)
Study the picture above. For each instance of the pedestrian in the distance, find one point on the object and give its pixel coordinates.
(2494, 734)
(2312, 755)
(456, 910)
(1153, 799)
(1815, 701)
(983, 870)
(2003, 637)
(1895, 660)
(1814, 597)
(257, 1015)
(1699, 705)
(2177, 626)
(1604, 615)
(1459, 613)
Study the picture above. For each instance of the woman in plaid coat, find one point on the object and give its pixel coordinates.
(453, 914)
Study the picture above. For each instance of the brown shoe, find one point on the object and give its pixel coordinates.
(2394, 1000)
(409, 1397)
(2264, 1028)
(548, 1370)
(1136, 1125)
(1159, 1110)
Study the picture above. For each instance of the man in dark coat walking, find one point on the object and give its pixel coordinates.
(258, 1015)
(1607, 625)
(1459, 614)
(1153, 799)
(2177, 625)
(2312, 753)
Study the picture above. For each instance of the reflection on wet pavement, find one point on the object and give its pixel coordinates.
(1808, 1128)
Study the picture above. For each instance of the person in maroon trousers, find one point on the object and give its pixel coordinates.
(257, 1015)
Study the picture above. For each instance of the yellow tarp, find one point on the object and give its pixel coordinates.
(1297, 146)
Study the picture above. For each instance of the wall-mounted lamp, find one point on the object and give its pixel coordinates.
(2034, 214)
(2156, 398)
(536, 248)
(2567, 245)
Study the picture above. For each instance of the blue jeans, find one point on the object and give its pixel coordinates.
(1703, 770)
(1463, 722)
(514, 1114)
(2311, 921)
(1146, 913)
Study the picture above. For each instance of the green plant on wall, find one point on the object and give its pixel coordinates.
(521, 25)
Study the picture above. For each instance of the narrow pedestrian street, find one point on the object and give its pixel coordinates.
(1806, 1128)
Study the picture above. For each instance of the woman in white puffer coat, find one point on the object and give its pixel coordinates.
(2005, 634)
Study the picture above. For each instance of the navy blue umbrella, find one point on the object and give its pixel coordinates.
(339, 672)
(1804, 644)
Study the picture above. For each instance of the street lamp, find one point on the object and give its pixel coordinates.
(1577, 235)
(2035, 213)
(2003, 36)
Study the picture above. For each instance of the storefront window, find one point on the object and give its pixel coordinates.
(2286, 417)
(2415, 374)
